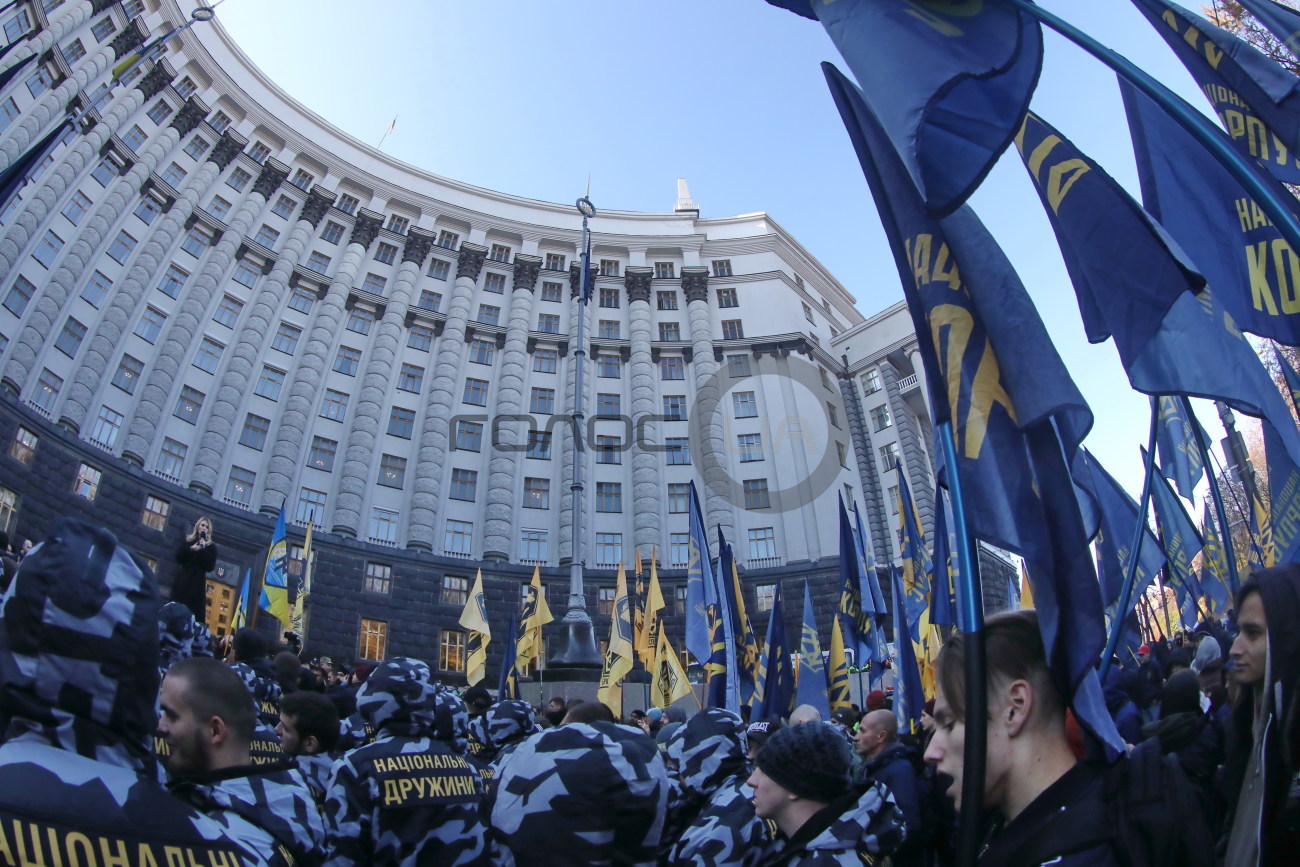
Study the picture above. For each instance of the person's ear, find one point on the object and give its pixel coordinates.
(1019, 705)
(310, 745)
(217, 731)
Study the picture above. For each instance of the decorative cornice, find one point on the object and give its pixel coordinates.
(526, 270)
(270, 178)
(418, 245)
(317, 205)
(637, 282)
(131, 38)
(226, 149)
(575, 278)
(695, 283)
(152, 83)
(98, 6)
(189, 117)
(366, 228)
(470, 261)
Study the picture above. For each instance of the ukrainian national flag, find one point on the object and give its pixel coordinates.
(275, 580)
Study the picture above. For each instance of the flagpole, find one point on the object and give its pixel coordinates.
(1126, 593)
(970, 619)
(1216, 494)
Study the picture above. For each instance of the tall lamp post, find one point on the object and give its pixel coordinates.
(579, 650)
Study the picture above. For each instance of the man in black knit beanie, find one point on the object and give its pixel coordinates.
(802, 784)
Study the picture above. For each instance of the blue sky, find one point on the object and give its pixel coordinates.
(531, 97)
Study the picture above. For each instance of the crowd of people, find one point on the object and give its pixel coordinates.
(131, 737)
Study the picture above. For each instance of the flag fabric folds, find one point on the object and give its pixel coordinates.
(297, 619)
(745, 650)
(638, 607)
(1017, 418)
(537, 613)
(1292, 379)
(1284, 498)
(1182, 543)
(275, 580)
(943, 603)
(1256, 99)
(17, 172)
(1282, 21)
(917, 568)
(723, 668)
(475, 621)
(670, 683)
(949, 82)
(508, 684)
(811, 683)
(239, 619)
(620, 652)
(700, 592)
(1181, 460)
(654, 603)
(837, 694)
(774, 691)
(909, 699)
(1214, 568)
(1116, 517)
(873, 601)
(857, 622)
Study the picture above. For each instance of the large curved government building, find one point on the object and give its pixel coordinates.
(214, 302)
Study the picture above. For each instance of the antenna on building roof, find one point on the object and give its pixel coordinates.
(684, 202)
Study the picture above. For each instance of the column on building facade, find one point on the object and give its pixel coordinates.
(506, 437)
(366, 427)
(706, 412)
(874, 518)
(64, 20)
(801, 495)
(911, 456)
(562, 445)
(927, 430)
(648, 491)
(290, 432)
(67, 170)
(434, 439)
(53, 103)
(80, 256)
(240, 368)
(177, 337)
(115, 321)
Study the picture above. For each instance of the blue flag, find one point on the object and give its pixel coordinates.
(1284, 498)
(1292, 379)
(1223, 231)
(20, 170)
(1117, 515)
(700, 592)
(1181, 543)
(1214, 566)
(275, 580)
(949, 82)
(873, 602)
(1016, 415)
(812, 669)
(732, 691)
(1282, 21)
(918, 570)
(856, 622)
(508, 685)
(909, 697)
(943, 605)
(1176, 442)
(774, 693)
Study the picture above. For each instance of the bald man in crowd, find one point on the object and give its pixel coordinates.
(884, 759)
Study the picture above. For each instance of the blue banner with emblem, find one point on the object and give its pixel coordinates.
(1182, 543)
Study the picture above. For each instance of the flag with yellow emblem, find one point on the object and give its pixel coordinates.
(619, 655)
(474, 620)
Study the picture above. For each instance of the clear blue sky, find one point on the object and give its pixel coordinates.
(531, 97)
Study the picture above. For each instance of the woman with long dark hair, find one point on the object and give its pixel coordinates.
(196, 557)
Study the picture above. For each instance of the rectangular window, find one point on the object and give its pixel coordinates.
(843, 453)
(721, 267)
(74, 51)
(608, 405)
(609, 497)
(9, 111)
(745, 404)
(253, 434)
(171, 458)
(185, 88)
(429, 300)
(173, 175)
(398, 225)
(401, 422)
(609, 450)
(807, 312)
(481, 351)
(386, 253)
(148, 210)
(150, 324)
(69, 339)
(607, 329)
(284, 207)
(892, 496)
(458, 538)
(464, 484)
(499, 253)
(605, 600)
(379, 578)
(880, 418)
(494, 283)
(311, 506)
(196, 148)
(664, 271)
(609, 366)
(750, 447)
(756, 495)
(103, 28)
(889, 456)
(383, 525)
(392, 471)
(239, 485)
(537, 493)
(218, 208)
(548, 323)
(302, 179)
(87, 483)
(672, 367)
(347, 360)
(359, 321)
(678, 450)
(476, 392)
(609, 296)
(172, 281)
(871, 381)
(552, 292)
(469, 436)
(155, 513)
(246, 273)
(24, 446)
(228, 311)
(301, 299)
(679, 499)
(128, 373)
(134, 137)
(322, 452)
(286, 338)
(765, 596)
(539, 444)
(49, 247)
(420, 337)
(188, 404)
(666, 299)
(762, 543)
(451, 651)
(542, 401)
(732, 329)
(372, 641)
(545, 360)
(219, 121)
(832, 414)
(238, 179)
(489, 315)
(609, 549)
(332, 233)
(266, 236)
(675, 407)
(439, 269)
(47, 390)
(39, 82)
(196, 241)
(679, 551)
(208, 355)
(104, 172)
(270, 383)
(448, 239)
(555, 262)
(76, 207)
(374, 284)
(533, 546)
(609, 268)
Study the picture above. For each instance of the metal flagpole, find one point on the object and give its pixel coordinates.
(1216, 494)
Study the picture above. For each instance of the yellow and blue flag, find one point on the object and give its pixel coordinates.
(744, 641)
(701, 595)
(1282, 21)
(1181, 543)
(537, 613)
(1256, 99)
(909, 697)
(857, 622)
(810, 685)
(873, 601)
(475, 621)
(943, 602)
(508, 684)
(918, 570)
(275, 580)
(1283, 497)
(723, 669)
(1177, 433)
(949, 81)
(837, 694)
(1116, 517)
(1214, 566)
(620, 651)
(774, 691)
(239, 619)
